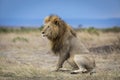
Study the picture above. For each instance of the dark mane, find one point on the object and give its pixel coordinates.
(65, 32)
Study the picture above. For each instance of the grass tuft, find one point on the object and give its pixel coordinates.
(22, 39)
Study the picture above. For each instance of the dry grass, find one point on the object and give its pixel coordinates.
(26, 56)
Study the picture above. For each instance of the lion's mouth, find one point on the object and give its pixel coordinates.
(43, 35)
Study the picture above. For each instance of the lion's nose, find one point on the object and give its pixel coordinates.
(43, 32)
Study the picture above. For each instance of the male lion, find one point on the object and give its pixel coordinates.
(64, 42)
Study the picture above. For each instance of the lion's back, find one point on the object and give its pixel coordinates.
(77, 47)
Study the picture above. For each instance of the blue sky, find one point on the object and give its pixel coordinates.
(74, 12)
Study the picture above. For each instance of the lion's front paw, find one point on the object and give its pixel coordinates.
(55, 70)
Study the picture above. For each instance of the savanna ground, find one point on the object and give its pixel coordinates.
(26, 56)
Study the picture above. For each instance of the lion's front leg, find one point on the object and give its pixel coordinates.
(62, 58)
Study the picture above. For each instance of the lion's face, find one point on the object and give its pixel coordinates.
(50, 30)
(54, 27)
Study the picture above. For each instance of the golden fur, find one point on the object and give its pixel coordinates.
(63, 40)
(57, 31)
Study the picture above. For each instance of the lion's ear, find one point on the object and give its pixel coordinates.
(46, 20)
(55, 19)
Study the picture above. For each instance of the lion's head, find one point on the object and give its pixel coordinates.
(57, 31)
(54, 27)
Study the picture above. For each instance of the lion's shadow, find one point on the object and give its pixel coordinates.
(104, 49)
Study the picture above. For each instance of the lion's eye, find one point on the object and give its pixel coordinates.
(48, 26)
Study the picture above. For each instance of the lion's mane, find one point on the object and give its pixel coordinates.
(59, 36)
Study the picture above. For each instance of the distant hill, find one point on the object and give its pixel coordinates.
(98, 23)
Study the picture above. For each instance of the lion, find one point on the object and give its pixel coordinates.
(64, 43)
